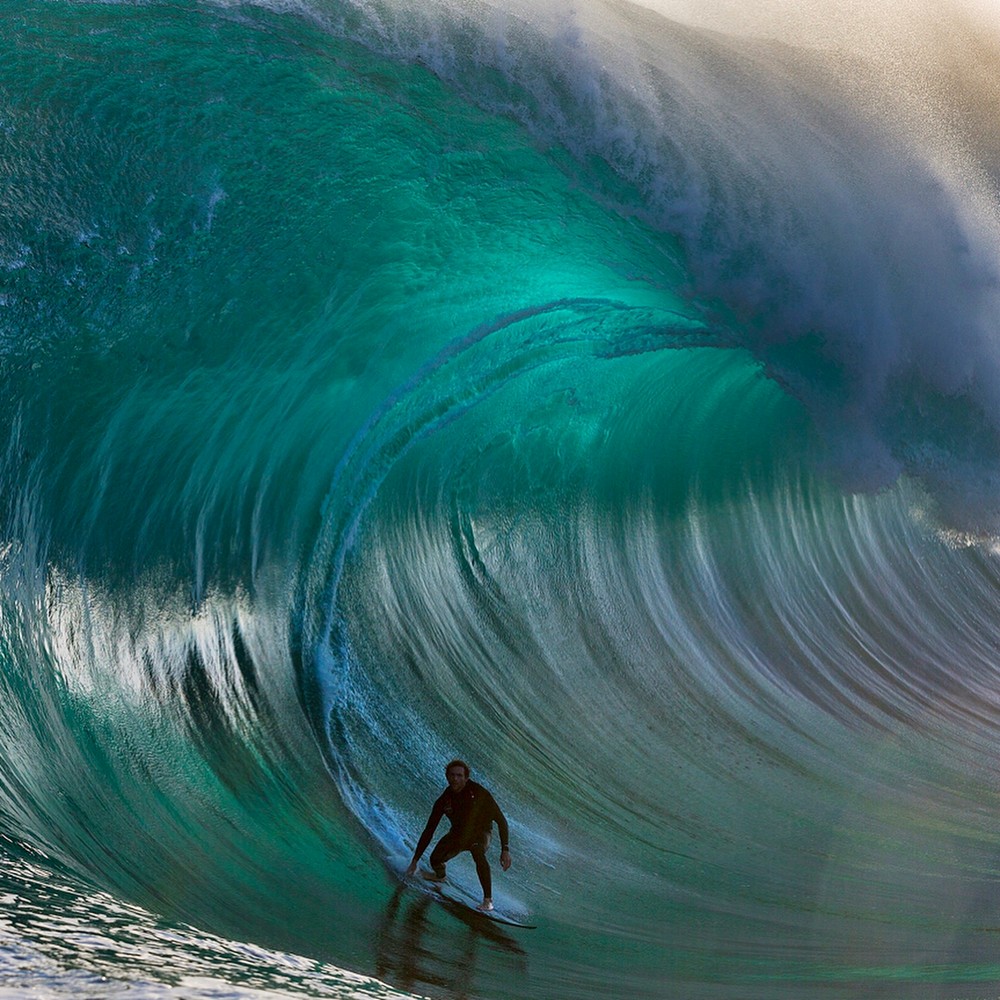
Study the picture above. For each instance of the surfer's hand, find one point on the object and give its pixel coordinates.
(505, 860)
(412, 869)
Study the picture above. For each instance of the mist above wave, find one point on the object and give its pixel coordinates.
(831, 174)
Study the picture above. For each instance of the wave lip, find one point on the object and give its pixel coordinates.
(828, 174)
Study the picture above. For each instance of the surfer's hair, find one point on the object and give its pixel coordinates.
(457, 763)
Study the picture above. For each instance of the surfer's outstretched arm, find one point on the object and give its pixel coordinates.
(425, 838)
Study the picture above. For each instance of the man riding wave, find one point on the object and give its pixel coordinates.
(472, 811)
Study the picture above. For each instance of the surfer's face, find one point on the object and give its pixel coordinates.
(456, 778)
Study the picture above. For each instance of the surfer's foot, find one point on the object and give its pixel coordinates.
(433, 876)
(486, 905)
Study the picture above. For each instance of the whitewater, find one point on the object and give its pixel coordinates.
(606, 393)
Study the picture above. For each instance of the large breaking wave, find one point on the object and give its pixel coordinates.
(606, 394)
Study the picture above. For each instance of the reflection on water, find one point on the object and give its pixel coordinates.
(424, 955)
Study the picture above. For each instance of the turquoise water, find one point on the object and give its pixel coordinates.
(606, 397)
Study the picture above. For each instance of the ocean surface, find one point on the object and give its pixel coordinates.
(606, 393)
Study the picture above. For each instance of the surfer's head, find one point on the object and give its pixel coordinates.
(457, 773)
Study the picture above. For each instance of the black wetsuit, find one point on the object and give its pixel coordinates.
(472, 812)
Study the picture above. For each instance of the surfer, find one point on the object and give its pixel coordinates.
(472, 811)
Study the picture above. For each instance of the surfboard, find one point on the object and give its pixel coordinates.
(451, 894)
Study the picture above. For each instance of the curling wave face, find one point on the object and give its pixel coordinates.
(609, 397)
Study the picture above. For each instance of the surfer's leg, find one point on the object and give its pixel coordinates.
(478, 852)
(444, 851)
